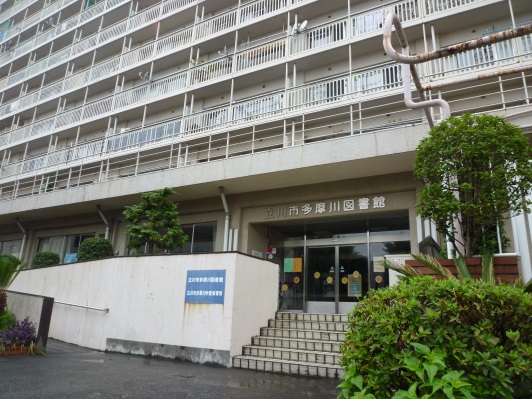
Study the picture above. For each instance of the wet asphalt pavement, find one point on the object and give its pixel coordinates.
(69, 371)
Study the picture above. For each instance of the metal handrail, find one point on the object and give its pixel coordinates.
(106, 310)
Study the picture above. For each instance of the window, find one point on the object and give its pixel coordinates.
(10, 247)
(201, 238)
(65, 246)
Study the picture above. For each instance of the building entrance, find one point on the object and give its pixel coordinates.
(328, 271)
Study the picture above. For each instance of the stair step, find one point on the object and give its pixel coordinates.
(309, 325)
(293, 343)
(296, 355)
(323, 317)
(302, 334)
(288, 367)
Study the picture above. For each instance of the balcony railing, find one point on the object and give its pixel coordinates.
(113, 32)
(36, 17)
(329, 93)
(490, 56)
(99, 71)
(366, 22)
(21, 5)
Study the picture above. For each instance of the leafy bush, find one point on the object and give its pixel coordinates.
(439, 338)
(45, 259)
(95, 248)
(7, 319)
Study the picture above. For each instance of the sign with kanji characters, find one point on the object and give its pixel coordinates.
(325, 207)
(205, 286)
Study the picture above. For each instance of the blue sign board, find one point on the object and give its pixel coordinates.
(205, 286)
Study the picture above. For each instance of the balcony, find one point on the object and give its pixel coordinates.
(274, 51)
(363, 23)
(352, 88)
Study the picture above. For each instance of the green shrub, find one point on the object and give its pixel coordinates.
(45, 259)
(440, 338)
(7, 319)
(95, 248)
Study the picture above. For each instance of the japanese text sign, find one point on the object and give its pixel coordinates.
(205, 286)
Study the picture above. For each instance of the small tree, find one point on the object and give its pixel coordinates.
(477, 171)
(95, 248)
(155, 222)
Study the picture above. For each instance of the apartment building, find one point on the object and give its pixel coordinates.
(280, 123)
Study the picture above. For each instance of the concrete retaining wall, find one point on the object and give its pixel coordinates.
(147, 310)
(38, 310)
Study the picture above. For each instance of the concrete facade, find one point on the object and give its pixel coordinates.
(103, 100)
(137, 305)
(38, 310)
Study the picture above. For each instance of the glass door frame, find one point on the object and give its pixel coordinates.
(367, 238)
(337, 266)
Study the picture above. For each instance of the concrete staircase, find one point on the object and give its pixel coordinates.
(297, 343)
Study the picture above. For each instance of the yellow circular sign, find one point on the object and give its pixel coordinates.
(344, 280)
(378, 279)
(285, 287)
(296, 280)
(329, 280)
(317, 275)
(356, 274)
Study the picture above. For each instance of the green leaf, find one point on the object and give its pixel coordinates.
(421, 348)
(432, 370)
(461, 266)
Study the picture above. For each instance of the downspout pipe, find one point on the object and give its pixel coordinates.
(24, 236)
(227, 218)
(107, 226)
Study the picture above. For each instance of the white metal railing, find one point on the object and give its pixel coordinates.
(260, 107)
(112, 32)
(260, 55)
(206, 120)
(273, 104)
(57, 166)
(216, 24)
(144, 136)
(100, 70)
(327, 91)
(315, 38)
(21, 5)
(211, 70)
(377, 80)
(366, 83)
(492, 55)
(219, 68)
(320, 36)
(257, 9)
(434, 6)
(36, 17)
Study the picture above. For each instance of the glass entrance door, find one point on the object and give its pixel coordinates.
(336, 277)
(353, 275)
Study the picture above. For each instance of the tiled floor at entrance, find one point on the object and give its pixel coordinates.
(297, 343)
